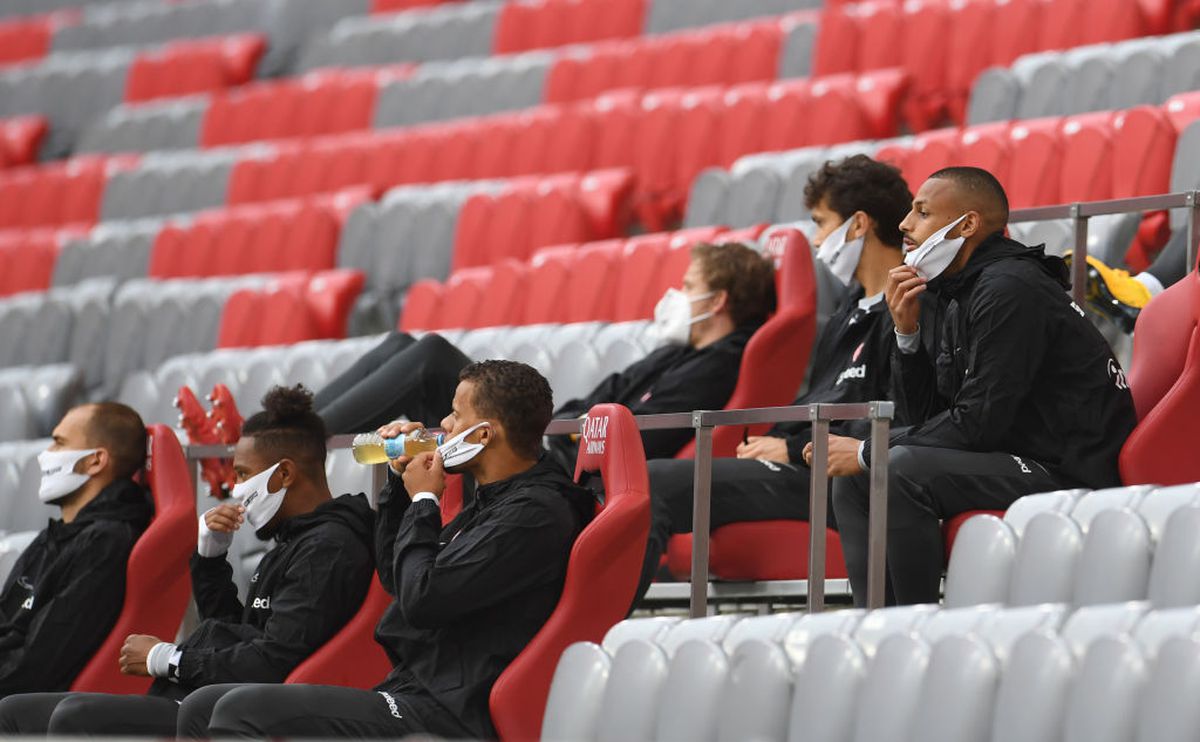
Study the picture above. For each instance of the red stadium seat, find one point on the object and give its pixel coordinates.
(157, 586)
(1013, 29)
(602, 574)
(27, 258)
(538, 24)
(331, 297)
(422, 306)
(56, 193)
(837, 43)
(29, 38)
(880, 34)
(329, 666)
(1036, 163)
(462, 296)
(201, 66)
(591, 287)
(969, 50)
(742, 130)
(291, 308)
(929, 153)
(925, 27)
(638, 269)
(20, 139)
(1087, 166)
(988, 146)
(1151, 455)
(546, 296)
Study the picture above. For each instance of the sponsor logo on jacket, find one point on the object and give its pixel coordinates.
(262, 603)
(1116, 375)
(854, 372)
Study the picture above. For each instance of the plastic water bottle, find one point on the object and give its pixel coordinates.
(372, 448)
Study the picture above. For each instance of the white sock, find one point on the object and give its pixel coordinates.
(1149, 281)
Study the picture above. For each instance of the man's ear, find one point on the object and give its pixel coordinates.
(970, 225)
(720, 301)
(286, 473)
(97, 462)
(860, 225)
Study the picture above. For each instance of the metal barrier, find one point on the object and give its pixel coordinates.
(704, 421)
(1080, 213)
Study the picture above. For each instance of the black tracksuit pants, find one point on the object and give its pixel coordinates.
(400, 376)
(88, 714)
(742, 490)
(926, 486)
(312, 711)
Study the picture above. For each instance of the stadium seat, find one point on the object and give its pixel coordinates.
(157, 586)
(328, 665)
(1114, 564)
(1176, 556)
(887, 699)
(1032, 693)
(187, 67)
(20, 139)
(980, 565)
(601, 576)
(1102, 701)
(576, 692)
(1047, 555)
(956, 696)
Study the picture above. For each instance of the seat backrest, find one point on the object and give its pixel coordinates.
(1089, 623)
(1032, 694)
(758, 690)
(602, 573)
(826, 690)
(1158, 626)
(957, 693)
(805, 632)
(573, 706)
(1172, 580)
(1160, 344)
(688, 706)
(877, 626)
(980, 568)
(1114, 565)
(1157, 507)
(1024, 508)
(1044, 569)
(157, 587)
(1088, 507)
(888, 698)
(1102, 702)
(1150, 453)
(1167, 710)
(328, 665)
(650, 628)
(1002, 628)
(631, 697)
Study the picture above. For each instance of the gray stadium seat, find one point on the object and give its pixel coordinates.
(955, 621)
(1032, 693)
(957, 693)
(757, 695)
(980, 568)
(799, 45)
(17, 423)
(1158, 506)
(1046, 556)
(691, 694)
(631, 697)
(994, 96)
(1044, 79)
(1137, 76)
(120, 250)
(1090, 73)
(770, 627)
(1114, 565)
(875, 627)
(146, 127)
(12, 545)
(1157, 626)
(1002, 628)
(576, 692)
(1172, 580)
(826, 689)
(1024, 508)
(47, 393)
(169, 183)
(1168, 711)
(1185, 168)
(1102, 702)
(1098, 501)
(672, 15)
(346, 475)
(1181, 66)
(752, 199)
(1089, 623)
(888, 697)
(649, 628)
(707, 198)
(808, 628)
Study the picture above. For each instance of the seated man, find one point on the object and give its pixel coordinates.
(857, 204)
(303, 592)
(1024, 394)
(468, 597)
(76, 567)
(728, 292)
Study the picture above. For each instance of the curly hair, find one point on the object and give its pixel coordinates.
(859, 183)
(744, 274)
(288, 427)
(516, 395)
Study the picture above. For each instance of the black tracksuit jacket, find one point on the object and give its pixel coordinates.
(66, 590)
(470, 596)
(1019, 370)
(304, 590)
(852, 363)
(675, 378)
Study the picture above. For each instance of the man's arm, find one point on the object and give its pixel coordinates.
(393, 503)
(523, 543)
(213, 588)
(705, 382)
(322, 589)
(82, 596)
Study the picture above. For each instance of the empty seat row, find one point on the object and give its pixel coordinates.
(35, 399)
(665, 16)
(25, 39)
(59, 193)
(20, 475)
(1111, 673)
(72, 89)
(947, 44)
(1108, 546)
(28, 257)
(1090, 78)
(56, 326)
(610, 281)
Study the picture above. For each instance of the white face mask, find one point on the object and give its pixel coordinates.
(936, 253)
(840, 256)
(673, 318)
(458, 451)
(59, 477)
(254, 495)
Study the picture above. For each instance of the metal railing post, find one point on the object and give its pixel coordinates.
(701, 502)
(881, 415)
(818, 500)
(1193, 227)
(1079, 256)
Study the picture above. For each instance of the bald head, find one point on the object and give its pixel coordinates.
(975, 189)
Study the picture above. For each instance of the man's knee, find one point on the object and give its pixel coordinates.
(196, 710)
(17, 712)
(233, 713)
(71, 716)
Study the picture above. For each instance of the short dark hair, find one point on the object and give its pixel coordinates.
(516, 395)
(287, 427)
(744, 274)
(979, 184)
(118, 429)
(859, 183)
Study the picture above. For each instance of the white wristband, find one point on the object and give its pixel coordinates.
(427, 496)
(211, 543)
(158, 659)
(862, 461)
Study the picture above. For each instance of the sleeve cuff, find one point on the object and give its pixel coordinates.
(426, 496)
(909, 343)
(862, 461)
(158, 659)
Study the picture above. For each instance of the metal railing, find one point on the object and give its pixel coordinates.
(1081, 212)
(703, 422)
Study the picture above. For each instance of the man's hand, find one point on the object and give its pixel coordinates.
(392, 430)
(764, 447)
(425, 474)
(904, 288)
(225, 518)
(133, 654)
(843, 456)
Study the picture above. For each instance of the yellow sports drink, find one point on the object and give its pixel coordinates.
(372, 448)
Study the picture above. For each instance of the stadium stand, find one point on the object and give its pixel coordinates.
(249, 192)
